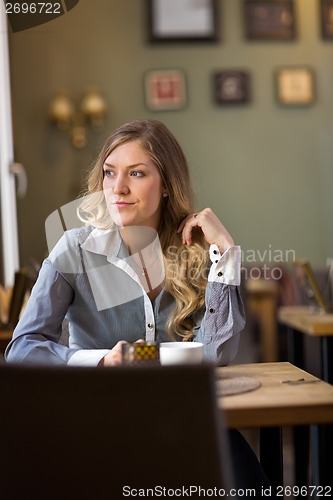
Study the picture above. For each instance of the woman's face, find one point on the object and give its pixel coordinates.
(132, 186)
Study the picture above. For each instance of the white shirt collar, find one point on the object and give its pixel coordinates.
(104, 242)
(108, 242)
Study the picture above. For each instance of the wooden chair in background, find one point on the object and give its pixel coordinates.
(22, 284)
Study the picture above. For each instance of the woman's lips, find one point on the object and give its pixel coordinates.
(120, 204)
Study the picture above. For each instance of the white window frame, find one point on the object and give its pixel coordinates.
(9, 230)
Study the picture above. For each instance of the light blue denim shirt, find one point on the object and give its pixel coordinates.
(89, 279)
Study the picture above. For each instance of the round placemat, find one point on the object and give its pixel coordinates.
(226, 386)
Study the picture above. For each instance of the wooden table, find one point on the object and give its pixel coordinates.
(303, 320)
(288, 396)
(307, 319)
(262, 298)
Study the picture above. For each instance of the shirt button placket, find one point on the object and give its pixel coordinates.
(150, 332)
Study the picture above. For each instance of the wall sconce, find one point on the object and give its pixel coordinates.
(90, 113)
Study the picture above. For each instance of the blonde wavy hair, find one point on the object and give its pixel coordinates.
(185, 267)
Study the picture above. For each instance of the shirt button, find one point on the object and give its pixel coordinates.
(220, 273)
(215, 252)
(216, 261)
(211, 310)
(150, 325)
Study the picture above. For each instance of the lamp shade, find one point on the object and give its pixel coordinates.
(61, 110)
(94, 107)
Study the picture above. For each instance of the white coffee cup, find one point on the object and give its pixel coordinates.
(177, 353)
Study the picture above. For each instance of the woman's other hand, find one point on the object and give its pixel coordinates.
(114, 357)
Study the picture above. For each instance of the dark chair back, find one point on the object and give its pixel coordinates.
(76, 433)
(22, 283)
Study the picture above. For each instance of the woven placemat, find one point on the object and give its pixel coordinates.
(226, 386)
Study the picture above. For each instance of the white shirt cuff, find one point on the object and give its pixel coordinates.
(87, 357)
(226, 267)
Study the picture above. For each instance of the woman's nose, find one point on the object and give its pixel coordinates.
(120, 185)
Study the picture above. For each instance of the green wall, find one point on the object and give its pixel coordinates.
(266, 170)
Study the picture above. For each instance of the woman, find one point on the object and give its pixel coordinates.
(138, 268)
(144, 266)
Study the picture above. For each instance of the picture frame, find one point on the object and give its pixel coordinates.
(295, 86)
(183, 21)
(165, 89)
(309, 284)
(231, 87)
(269, 20)
(326, 17)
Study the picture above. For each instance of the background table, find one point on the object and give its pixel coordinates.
(288, 396)
(303, 320)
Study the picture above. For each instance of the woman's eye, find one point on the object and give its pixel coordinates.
(136, 173)
(108, 173)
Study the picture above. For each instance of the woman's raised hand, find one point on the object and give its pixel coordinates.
(213, 230)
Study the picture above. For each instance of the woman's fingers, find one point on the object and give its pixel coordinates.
(186, 227)
(183, 222)
(114, 356)
(212, 228)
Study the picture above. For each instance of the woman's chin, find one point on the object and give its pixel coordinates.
(123, 222)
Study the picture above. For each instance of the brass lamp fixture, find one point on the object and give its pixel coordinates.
(91, 112)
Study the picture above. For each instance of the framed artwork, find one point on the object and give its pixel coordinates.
(309, 284)
(269, 19)
(165, 89)
(183, 20)
(231, 87)
(326, 16)
(295, 86)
